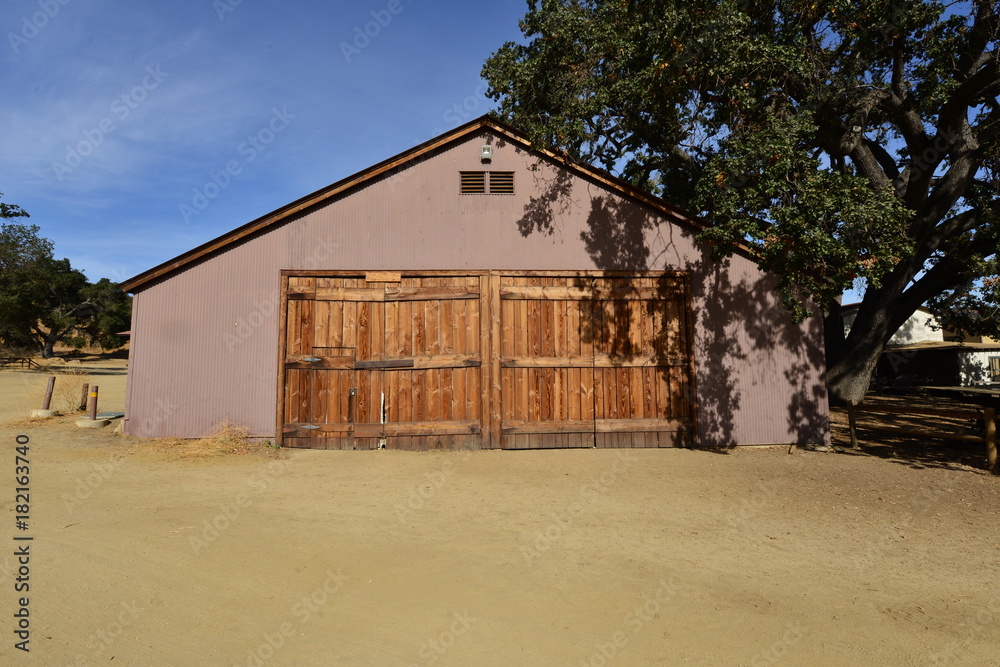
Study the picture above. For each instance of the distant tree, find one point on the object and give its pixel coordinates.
(844, 143)
(44, 301)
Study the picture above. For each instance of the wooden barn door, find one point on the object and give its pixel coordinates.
(595, 362)
(382, 360)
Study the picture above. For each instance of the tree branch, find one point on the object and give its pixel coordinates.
(943, 275)
(869, 166)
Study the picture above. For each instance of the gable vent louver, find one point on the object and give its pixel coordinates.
(473, 182)
(502, 182)
(487, 182)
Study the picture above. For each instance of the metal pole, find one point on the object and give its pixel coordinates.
(48, 393)
(93, 403)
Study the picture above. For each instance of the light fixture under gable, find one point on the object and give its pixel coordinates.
(487, 153)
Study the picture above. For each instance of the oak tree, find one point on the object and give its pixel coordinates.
(842, 143)
(45, 301)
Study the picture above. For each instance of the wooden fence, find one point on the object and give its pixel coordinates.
(988, 415)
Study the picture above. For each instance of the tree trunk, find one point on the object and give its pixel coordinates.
(49, 342)
(849, 377)
(833, 334)
(850, 374)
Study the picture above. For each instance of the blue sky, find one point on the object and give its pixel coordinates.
(133, 131)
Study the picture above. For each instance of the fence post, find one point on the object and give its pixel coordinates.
(990, 417)
(47, 401)
(853, 422)
(93, 403)
(83, 396)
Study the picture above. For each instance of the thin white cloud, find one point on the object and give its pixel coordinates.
(119, 207)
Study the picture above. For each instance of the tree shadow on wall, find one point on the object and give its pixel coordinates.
(739, 324)
(542, 213)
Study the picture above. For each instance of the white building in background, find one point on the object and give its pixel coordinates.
(921, 326)
(921, 352)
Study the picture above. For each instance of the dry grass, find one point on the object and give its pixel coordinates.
(226, 439)
(69, 386)
(26, 422)
(70, 379)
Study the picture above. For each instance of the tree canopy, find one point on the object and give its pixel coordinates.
(844, 144)
(44, 301)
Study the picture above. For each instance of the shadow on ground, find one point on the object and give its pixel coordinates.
(918, 452)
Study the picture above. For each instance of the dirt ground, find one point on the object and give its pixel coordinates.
(144, 553)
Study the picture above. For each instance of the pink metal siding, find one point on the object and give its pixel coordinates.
(204, 343)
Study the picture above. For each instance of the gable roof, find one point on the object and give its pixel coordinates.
(397, 162)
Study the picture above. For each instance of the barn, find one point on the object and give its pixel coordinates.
(472, 292)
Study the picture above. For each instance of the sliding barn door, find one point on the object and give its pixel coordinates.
(372, 363)
(595, 362)
(516, 360)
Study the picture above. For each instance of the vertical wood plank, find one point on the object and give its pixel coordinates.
(363, 397)
(321, 324)
(560, 349)
(404, 396)
(281, 380)
(293, 340)
(486, 347)
(521, 334)
(364, 330)
(474, 395)
(449, 398)
(306, 384)
(350, 324)
(446, 324)
(433, 326)
(405, 329)
(336, 328)
(419, 386)
(454, 381)
(419, 328)
(690, 387)
(391, 347)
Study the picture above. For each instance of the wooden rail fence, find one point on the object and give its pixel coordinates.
(988, 415)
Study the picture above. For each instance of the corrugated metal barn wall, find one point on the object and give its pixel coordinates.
(205, 347)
